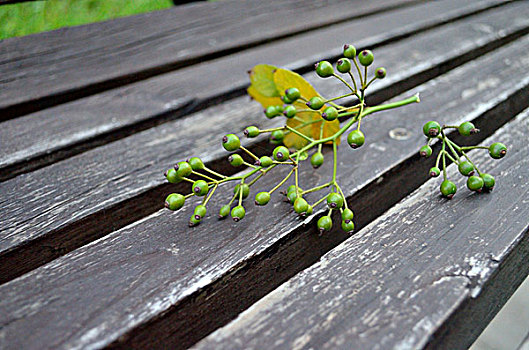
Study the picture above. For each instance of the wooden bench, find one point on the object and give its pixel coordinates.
(93, 115)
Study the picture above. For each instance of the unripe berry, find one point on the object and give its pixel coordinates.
(315, 103)
(251, 131)
(300, 205)
(334, 200)
(200, 211)
(193, 221)
(435, 171)
(347, 214)
(349, 51)
(172, 176)
(281, 153)
(174, 201)
(343, 65)
(183, 169)
(196, 163)
(292, 94)
(348, 226)
(200, 188)
(316, 160)
(448, 189)
(330, 113)
(497, 150)
(324, 69)
(277, 135)
(224, 211)
(488, 181)
(466, 168)
(366, 58)
(475, 183)
(291, 188)
(292, 196)
(425, 151)
(310, 210)
(286, 100)
(235, 160)
(237, 213)
(431, 129)
(245, 190)
(356, 138)
(265, 161)
(231, 142)
(380, 73)
(262, 198)
(467, 128)
(271, 111)
(290, 111)
(325, 223)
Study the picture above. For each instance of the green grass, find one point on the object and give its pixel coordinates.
(39, 16)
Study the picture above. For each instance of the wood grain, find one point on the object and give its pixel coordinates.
(159, 283)
(118, 183)
(54, 67)
(425, 266)
(74, 127)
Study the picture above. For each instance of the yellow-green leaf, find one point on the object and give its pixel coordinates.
(262, 88)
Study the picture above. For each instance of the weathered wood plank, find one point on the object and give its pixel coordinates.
(54, 67)
(418, 276)
(117, 184)
(157, 282)
(76, 126)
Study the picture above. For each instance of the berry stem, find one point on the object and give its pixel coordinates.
(359, 71)
(299, 134)
(334, 161)
(341, 192)
(249, 153)
(282, 181)
(214, 173)
(317, 188)
(206, 199)
(203, 175)
(346, 83)
(188, 179)
(339, 97)
(353, 79)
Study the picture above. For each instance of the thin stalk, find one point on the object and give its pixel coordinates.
(299, 134)
(343, 81)
(203, 175)
(282, 181)
(249, 153)
(214, 173)
(210, 194)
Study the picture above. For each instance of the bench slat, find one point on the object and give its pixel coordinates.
(116, 183)
(429, 273)
(69, 63)
(142, 285)
(83, 124)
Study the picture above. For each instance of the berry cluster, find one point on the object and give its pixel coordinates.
(295, 104)
(477, 181)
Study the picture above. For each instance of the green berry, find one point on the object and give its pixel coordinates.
(281, 153)
(309, 210)
(265, 161)
(349, 51)
(334, 200)
(277, 135)
(231, 142)
(466, 168)
(172, 176)
(475, 183)
(366, 58)
(425, 151)
(431, 129)
(174, 201)
(251, 131)
(245, 190)
(316, 160)
(200, 211)
(324, 69)
(292, 196)
(271, 111)
(290, 111)
(347, 214)
(224, 211)
(380, 73)
(488, 181)
(193, 221)
(286, 100)
(237, 213)
(497, 150)
(200, 188)
(325, 223)
(291, 188)
(315, 103)
(467, 128)
(356, 138)
(448, 189)
(330, 113)
(262, 198)
(435, 171)
(348, 226)
(235, 160)
(300, 205)
(292, 93)
(183, 169)
(196, 163)
(343, 65)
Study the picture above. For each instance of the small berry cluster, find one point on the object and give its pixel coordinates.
(477, 181)
(295, 104)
